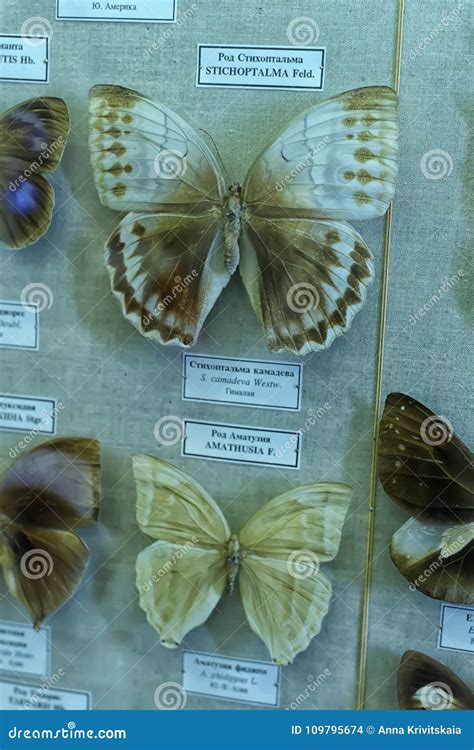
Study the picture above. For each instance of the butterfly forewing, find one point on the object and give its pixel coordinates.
(423, 465)
(32, 141)
(146, 158)
(337, 160)
(284, 593)
(166, 259)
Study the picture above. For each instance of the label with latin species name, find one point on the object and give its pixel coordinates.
(456, 631)
(151, 11)
(19, 325)
(28, 414)
(233, 679)
(259, 446)
(23, 649)
(24, 57)
(21, 696)
(253, 67)
(242, 382)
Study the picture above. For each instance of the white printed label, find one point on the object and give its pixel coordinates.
(19, 696)
(19, 325)
(23, 649)
(247, 382)
(456, 628)
(241, 445)
(233, 679)
(255, 67)
(27, 414)
(158, 11)
(24, 58)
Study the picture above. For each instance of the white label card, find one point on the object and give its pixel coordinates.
(23, 649)
(27, 414)
(157, 11)
(233, 679)
(19, 326)
(456, 631)
(255, 67)
(242, 445)
(24, 58)
(20, 696)
(243, 382)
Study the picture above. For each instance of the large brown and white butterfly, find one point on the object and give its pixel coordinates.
(426, 684)
(196, 559)
(45, 495)
(32, 141)
(429, 471)
(306, 270)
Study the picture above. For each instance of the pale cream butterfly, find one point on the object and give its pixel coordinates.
(196, 558)
(305, 269)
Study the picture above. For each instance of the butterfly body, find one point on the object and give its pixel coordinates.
(285, 227)
(233, 562)
(233, 211)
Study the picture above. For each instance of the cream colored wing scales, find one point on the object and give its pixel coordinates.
(167, 272)
(284, 593)
(173, 507)
(182, 576)
(306, 279)
(179, 586)
(337, 161)
(146, 158)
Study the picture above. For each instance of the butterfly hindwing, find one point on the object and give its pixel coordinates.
(437, 558)
(306, 280)
(32, 141)
(167, 271)
(182, 576)
(284, 593)
(426, 684)
(179, 586)
(45, 495)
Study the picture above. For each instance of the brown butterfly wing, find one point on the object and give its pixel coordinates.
(44, 496)
(55, 485)
(42, 567)
(32, 140)
(437, 559)
(426, 684)
(423, 465)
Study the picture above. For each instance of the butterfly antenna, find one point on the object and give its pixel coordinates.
(219, 157)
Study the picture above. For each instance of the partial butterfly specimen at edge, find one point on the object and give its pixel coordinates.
(183, 575)
(45, 495)
(426, 684)
(306, 270)
(427, 470)
(32, 141)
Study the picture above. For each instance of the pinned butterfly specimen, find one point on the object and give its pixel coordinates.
(426, 684)
(196, 559)
(427, 470)
(32, 140)
(305, 269)
(46, 495)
